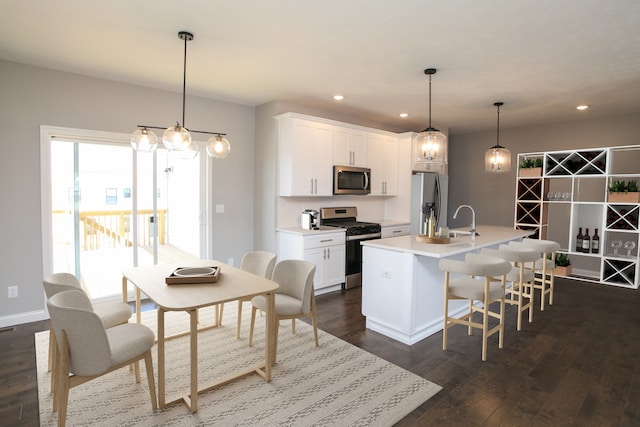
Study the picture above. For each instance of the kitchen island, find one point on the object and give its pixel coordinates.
(403, 288)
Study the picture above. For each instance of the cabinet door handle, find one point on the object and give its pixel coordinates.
(396, 231)
(328, 253)
(311, 185)
(324, 254)
(315, 181)
(326, 240)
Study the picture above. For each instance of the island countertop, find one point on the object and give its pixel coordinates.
(488, 235)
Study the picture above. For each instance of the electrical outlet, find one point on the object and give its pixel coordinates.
(230, 262)
(12, 292)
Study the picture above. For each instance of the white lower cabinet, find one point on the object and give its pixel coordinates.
(325, 249)
(395, 230)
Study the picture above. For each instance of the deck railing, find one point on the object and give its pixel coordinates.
(110, 229)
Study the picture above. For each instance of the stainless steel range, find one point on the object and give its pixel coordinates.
(355, 233)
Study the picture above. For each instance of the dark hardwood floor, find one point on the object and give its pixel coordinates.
(577, 364)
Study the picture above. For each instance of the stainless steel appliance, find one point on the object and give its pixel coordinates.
(355, 233)
(310, 219)
(428, 191)
(351, 180)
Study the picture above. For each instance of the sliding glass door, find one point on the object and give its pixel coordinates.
(113, 208)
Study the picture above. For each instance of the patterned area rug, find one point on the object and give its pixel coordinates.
(333, 384)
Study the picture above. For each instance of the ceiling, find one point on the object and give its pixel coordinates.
(540, 57)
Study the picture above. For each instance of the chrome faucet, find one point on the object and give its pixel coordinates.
(473, 220)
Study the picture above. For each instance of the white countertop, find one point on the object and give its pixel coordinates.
(489, 235)
(302, 232)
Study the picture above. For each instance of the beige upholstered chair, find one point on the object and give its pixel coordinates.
(470, 287)
(544, 267)
(261, 264)
(111, 313)
(293, 299)
(86, 349)
(520, 277)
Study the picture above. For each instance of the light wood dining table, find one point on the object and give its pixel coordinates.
(233, 284)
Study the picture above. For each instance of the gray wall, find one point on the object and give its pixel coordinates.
(493, 195)
(33, 96)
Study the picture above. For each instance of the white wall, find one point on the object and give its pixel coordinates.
(33, 96)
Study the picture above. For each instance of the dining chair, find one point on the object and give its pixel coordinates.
(260, 263)
(111, 313)
(86, 349)
(483, 279)
(294, 298)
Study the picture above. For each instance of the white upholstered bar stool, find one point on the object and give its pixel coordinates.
(520, 292)
(544, 267)
(477, 284)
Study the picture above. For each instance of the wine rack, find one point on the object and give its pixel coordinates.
(576, 163)
(581, 179)
(622, 217)
(619, 272)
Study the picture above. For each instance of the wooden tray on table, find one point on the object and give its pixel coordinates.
(422, 238)
(193, 275)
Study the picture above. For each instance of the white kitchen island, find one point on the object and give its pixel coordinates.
(403, 288)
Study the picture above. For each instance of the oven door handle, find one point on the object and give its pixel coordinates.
(364, 237)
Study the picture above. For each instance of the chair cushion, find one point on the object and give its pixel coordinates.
(112, 313)
(128, 341)
(285, 305)
(468, 288)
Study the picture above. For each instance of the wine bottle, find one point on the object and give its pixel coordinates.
(579, 240)
(595, 242)
(586, 241)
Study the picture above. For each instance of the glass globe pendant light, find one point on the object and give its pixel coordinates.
(218, 147)
(178, 137)
(430, 145)
(497, 159)
(144, 140)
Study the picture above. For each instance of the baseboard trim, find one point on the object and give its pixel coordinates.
(21, 318)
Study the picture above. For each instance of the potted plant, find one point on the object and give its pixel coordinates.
(623, 192)
(530, 167)
(563, 265)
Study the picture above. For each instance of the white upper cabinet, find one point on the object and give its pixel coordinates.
(349, 147)
(305, 155)
(383, 161)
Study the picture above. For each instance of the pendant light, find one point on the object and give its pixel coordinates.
(178, 137)
(497, 159)
(430, 145)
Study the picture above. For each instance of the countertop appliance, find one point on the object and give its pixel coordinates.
(355, 232)
(310, 219)
(351, 180)
(429, 191)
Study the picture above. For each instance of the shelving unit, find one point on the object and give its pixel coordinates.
(572, 192)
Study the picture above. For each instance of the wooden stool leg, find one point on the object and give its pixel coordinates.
(239, 318)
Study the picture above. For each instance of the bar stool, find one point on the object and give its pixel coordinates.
(544, 267)
(470, 287)
(520, 277)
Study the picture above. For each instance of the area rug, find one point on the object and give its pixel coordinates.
(333, 384)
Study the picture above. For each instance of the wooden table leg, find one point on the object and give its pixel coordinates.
(138, 306)
(270, 335)
(161, 361)
(194, 360)
(124, 289)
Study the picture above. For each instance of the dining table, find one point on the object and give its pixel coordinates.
(232, 284)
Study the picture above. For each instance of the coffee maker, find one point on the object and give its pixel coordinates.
(310, 219)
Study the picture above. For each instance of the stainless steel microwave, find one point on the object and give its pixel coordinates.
(350, 180)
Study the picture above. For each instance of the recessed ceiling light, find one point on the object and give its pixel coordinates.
(404, 115)
(582, 107)
(338, 97)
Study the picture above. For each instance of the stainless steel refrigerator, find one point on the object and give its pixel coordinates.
(428, 191)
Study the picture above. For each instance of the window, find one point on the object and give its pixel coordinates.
(112, 196)
(126, 193)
